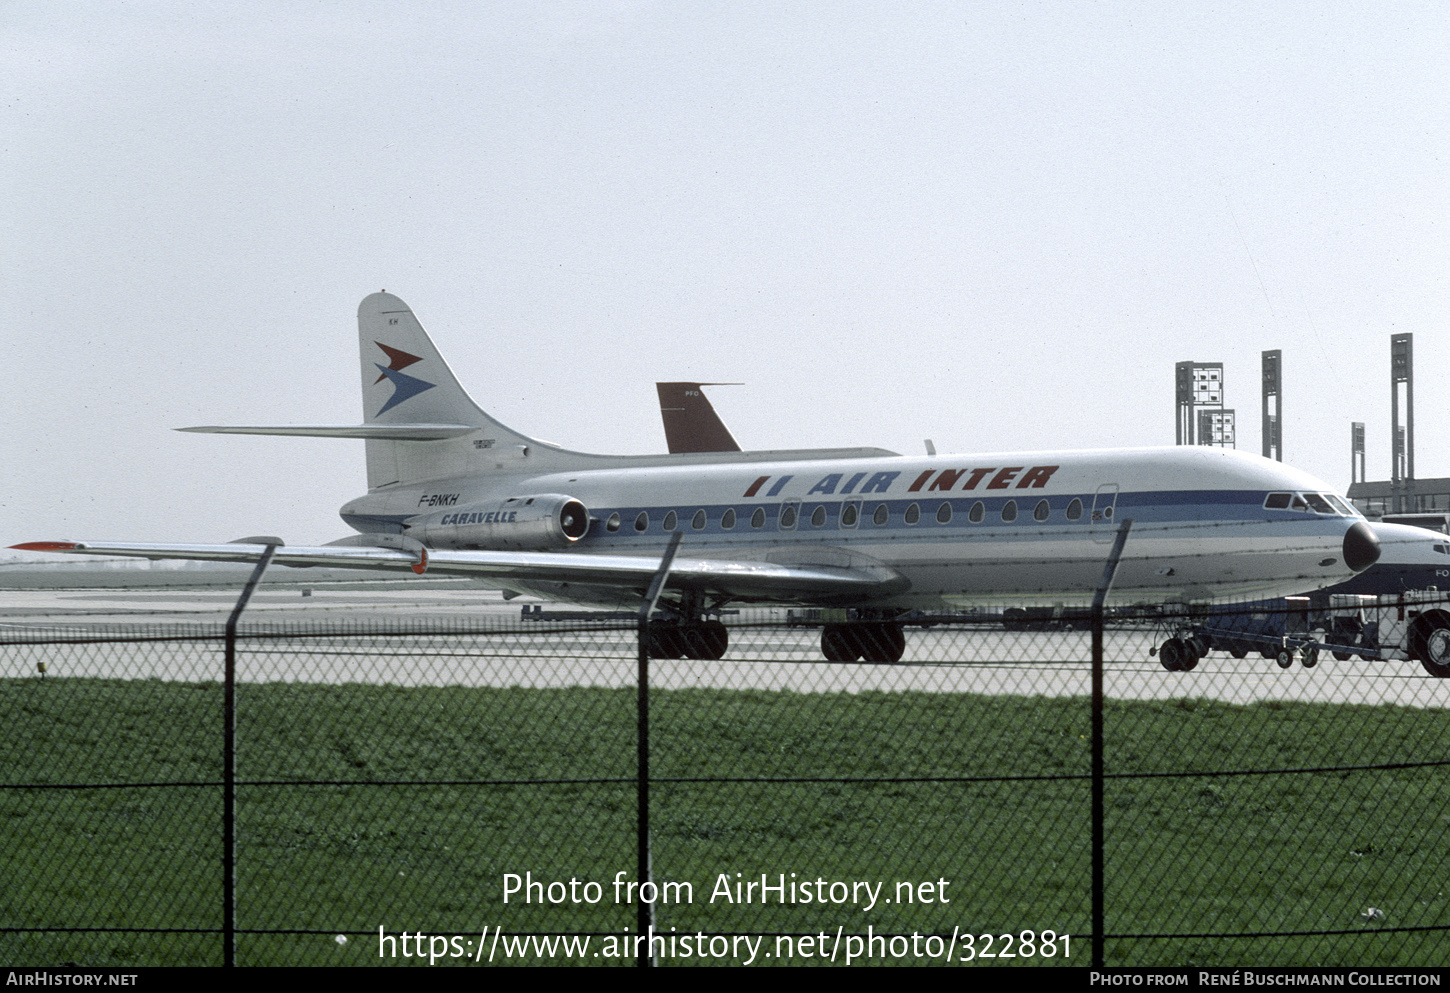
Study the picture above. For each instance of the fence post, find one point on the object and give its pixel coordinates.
(645, 911)
(1110, 570)
(229, 764)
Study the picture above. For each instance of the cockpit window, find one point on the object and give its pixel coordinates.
(1277, 501)
(1298, 503)
(1340, 505)
(1318, 503)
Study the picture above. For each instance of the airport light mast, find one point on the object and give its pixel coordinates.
(1200, 384)
(1272, 419)
(1356, 452)
(1402, 462)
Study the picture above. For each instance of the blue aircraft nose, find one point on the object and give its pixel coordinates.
(1361, 547)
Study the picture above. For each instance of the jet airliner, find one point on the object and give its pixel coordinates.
(453, 491)
(1411, 558)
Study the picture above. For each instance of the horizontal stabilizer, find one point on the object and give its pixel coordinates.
(387, 432)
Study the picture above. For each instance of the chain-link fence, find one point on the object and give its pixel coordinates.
(479, 785)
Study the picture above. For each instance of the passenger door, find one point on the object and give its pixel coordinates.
(1105, 502)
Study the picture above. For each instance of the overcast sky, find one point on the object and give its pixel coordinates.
(994, 225)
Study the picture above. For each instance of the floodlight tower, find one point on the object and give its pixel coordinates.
(1356, 451)
(1273, 422)
(1216, 428)
(1402, 462)
(1199, 384)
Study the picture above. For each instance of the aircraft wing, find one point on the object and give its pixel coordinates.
(737, 579)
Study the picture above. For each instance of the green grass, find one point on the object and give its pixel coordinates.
(1185, 855)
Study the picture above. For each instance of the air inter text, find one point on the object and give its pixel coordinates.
(945, 480)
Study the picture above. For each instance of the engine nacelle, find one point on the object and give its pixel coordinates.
(527, 523)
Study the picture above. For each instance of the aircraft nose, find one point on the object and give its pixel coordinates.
(1361, 547)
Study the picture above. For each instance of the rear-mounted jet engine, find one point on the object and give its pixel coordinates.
(525, 523)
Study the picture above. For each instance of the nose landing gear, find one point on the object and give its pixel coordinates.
(1182, 654)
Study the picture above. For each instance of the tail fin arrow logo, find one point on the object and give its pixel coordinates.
(404, 386)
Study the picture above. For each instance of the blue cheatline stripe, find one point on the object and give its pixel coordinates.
(1158, 509)
(1163, 509)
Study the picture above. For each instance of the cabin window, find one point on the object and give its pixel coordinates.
(612, 525)
(1074, 510)
(1277, 501)
(788, 511)
(1009, 510)
(727, 519)
(1040, 512)
(978, 513)
(757, 519)
(699, 520)
(944, 513)
(850, 512)
(671, 520)
(818, 518)
(913, 514)
(641, 523)
(879, 517)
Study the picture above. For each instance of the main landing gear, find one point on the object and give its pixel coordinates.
(695, 640)
(682, 631)
(869, 641)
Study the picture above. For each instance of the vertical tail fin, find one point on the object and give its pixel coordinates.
(691, 424)
(405, 381)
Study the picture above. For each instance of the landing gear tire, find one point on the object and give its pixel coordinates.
(666, 642)
(881, 642)
(1174, 655)
(837, 644)
(1430, 643)
(707, 640)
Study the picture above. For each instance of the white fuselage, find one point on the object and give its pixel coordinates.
(956, 528)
